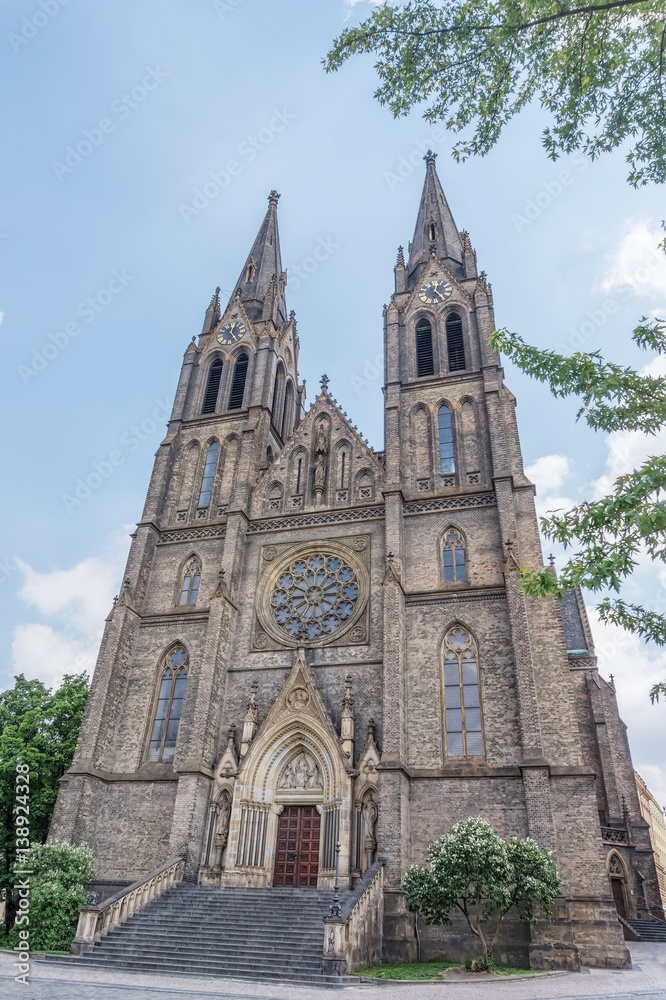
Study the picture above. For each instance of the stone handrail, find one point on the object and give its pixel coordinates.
(354, 939)
(97, 921)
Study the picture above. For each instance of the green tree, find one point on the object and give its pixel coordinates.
(473, 870)
(58, 880)
(598, 69)
(39, 729)
(611, 533)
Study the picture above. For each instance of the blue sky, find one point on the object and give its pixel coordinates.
(101, 263)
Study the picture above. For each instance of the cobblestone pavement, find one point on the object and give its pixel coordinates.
(647, 980)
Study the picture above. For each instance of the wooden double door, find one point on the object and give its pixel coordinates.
(297, 849)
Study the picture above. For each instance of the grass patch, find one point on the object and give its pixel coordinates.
(407, 970)
(427, 970)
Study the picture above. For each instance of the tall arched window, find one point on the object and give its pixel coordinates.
(425, 364)
(447, 462)
(168, 707)
(453, 557)
(286, 409)
(278, 387)
(454, 342)
(462, 707)
(189, 587)
(213, 387)
(238, 382)
(208, 475)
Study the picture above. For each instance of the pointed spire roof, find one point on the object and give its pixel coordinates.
(435, 226)
(262, 280)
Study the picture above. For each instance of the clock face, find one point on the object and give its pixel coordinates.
(434, 292)
(231, 332)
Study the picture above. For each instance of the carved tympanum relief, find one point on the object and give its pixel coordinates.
(302, 772)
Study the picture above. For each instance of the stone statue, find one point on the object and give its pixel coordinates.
(321, 438)
(222, 831)
(370, 814)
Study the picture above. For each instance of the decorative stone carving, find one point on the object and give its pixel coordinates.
(302, 772)
(370, 815)
(347, 722)
(250, 720)
(222, 831)
(298, 699)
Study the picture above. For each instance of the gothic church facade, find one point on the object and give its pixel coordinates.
(319, 641)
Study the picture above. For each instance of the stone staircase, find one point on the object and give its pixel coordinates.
(649, 930)
(261, 934)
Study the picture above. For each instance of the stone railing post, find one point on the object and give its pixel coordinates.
(353, 938)
(96, 921)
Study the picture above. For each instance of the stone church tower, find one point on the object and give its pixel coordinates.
(319, 641)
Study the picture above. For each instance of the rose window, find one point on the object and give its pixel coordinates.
(314, 596)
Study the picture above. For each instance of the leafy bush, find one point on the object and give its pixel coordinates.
(60, 873)
(473, 870)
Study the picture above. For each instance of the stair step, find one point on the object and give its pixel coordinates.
(256, 934)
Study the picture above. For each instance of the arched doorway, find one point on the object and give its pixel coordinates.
(618, 880)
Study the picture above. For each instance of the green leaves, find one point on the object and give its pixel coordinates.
(471, 868)
(58, 880)
(598, 70)
(39, 729)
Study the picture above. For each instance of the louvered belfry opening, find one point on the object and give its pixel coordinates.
(425, 364)
(213, 387)
(238, 383)
(455, 343)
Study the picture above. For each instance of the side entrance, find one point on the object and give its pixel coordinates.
(297, 849)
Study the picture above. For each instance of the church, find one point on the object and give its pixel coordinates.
(321, 657)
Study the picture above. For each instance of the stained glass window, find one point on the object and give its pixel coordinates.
(462, 706)
(315, 596)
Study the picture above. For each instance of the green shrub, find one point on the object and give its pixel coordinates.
(58, 879)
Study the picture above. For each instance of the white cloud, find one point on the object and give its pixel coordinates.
(78, 599)
(638, 265)
(41, 653)
(549, 474)
(2, 316)
(627, 450)
(636, 667)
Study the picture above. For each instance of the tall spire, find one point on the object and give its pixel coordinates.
(262, 280)
(435, 227)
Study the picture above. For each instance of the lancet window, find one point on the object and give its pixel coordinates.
(191, 576)
(447, 462)
(168, 706)
(208, 475)
(212, 387)
(462, 705)
(425, 364)
(453, 557)
(238, 382)
(455, 342)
